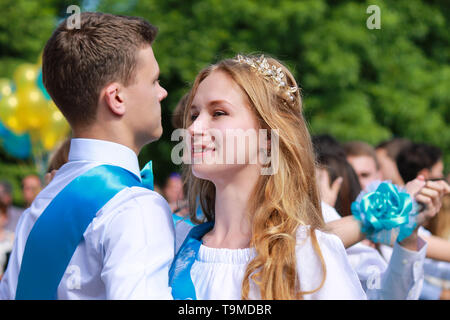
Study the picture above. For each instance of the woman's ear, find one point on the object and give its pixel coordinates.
(113, 98)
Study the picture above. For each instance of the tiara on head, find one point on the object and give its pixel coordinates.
(269, 72)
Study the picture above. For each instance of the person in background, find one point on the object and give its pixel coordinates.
(387, 152)
(426, 160)
(420, 159)
(378, 277)
(6, 239)
(13, 213)
(173, 193)
(31, 186)
(363, 159)
(178, 113)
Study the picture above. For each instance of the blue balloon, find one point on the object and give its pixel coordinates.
(18, 146)
(40, 85)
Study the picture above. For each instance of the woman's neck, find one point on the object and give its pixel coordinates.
(232, 227)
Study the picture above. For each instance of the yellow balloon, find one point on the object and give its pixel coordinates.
(25, 74)
(9, 114)
(15, 125)
(56, 129)
(49, 140)
(6, 88)
(8, 107)
(32, 110)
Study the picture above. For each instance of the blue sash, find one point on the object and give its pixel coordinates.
(60, 228)
(180, 272)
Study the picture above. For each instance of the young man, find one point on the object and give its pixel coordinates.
(364, 161)
(104, 79)
(420, 159)
(387, 152)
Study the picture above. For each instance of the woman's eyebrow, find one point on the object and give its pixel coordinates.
(214, 103)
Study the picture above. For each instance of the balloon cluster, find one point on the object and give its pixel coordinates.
(27, 111)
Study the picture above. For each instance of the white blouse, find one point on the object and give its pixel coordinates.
(218, 273)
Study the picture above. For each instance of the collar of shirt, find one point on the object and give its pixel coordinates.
(108, 152)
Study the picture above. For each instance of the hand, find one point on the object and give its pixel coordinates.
(49, 176)
(431, 196)
(328, 193)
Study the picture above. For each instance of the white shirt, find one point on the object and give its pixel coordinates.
(401, 278)
(127, 249)
(218, 273)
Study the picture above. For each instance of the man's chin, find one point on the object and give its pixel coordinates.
(156, 135)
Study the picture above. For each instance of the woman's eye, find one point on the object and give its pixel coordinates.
(193, 117)
(219, 113)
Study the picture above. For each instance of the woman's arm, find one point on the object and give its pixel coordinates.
(348, 229)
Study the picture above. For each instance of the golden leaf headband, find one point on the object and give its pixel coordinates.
(269, 72)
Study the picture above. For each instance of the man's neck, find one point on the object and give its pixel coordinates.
(111, 136)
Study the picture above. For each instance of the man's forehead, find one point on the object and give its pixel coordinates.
(146, 57)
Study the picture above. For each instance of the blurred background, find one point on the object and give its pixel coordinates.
(357, 83)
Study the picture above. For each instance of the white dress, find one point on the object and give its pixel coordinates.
(218, 273)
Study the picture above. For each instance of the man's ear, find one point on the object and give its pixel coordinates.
(113, 97)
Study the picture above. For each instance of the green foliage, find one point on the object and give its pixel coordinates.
(357, 83)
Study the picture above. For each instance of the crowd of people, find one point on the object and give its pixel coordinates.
(277, 229)
(10, 214)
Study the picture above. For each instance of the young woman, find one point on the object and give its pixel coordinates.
(264, 236)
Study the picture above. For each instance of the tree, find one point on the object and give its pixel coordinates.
(25, 26)
(357, 83)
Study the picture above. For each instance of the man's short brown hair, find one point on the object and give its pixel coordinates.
(394, 146)
(359, 149)
(78, 63)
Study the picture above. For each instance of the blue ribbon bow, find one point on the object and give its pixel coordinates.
(385, 213)
(147, 175)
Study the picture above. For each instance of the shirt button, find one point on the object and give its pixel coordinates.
(418, 270)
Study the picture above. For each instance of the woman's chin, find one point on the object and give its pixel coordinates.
(212, 172)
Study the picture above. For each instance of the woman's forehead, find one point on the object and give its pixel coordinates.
(218, 86)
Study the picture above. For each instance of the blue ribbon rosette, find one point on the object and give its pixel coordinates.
(385, 212)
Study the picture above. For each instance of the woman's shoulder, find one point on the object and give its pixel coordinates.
(324, 238)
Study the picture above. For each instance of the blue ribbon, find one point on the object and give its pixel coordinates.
(180, 272)
(147, 175)
(60, 228)
(385, 213)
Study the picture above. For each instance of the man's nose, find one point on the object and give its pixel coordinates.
(163, 94)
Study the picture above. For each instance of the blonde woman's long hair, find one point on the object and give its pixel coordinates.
(281, 202)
